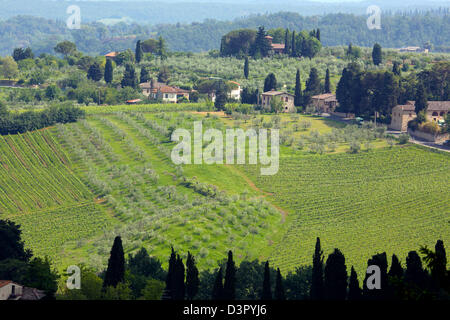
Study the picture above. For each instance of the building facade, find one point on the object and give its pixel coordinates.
(161, 91)
(325, 103)
(286, 98)
(402, 114)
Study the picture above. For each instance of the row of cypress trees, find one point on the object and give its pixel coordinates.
(329, 279)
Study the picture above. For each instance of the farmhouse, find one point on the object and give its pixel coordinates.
(277, 48)
(161, 91)
(286, 98)
(10, 290)
(235, 93)
(324, 103)
(402, 114)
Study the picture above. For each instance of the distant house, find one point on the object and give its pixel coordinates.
(277, 48)
(325, 103)
(235, 93)
(161, 91)
(286, 98)
(111, 55)
(10, 290)
(402, 114)
(413, 49)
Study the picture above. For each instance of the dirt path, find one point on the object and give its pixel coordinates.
(252, 185)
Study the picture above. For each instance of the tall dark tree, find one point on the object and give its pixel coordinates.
(138, 53)
(261, 47)
(354, 291)
(115, 273)
(312, 86)
(162, 50)
(229, 285)
(179, 289)
(170, 279)
(436, 262)
(109, 71)
(287, 43)
(145, 75)
(396, 269)
(317, 289)
(415, 275)
(279, 288)
(266, 290)
(192, 281)
(11, 244)
(335, 276)
(221, 96)
(379, 260)
(421, 99)
(298, 99)
(327, 82)
(318, 34)
(129, 77)
(246, 68)
(377, 55)
(293, 45)
(95, 72)
(217, 292)
(270, 83)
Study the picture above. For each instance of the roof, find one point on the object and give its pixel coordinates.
(432, 106)
(276, 93)
(4, 283)
(235, 82)
(134, 101)
(325, 96)
(407, 107)
(169, 89)
(111, 54)
(268, 37)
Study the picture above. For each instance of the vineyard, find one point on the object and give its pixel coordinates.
(74, 187)
(389, 199)
(40, 192)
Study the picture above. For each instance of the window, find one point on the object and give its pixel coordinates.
(442, 113)
(435, 114)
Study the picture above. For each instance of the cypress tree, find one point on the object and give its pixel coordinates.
(229, 286)
(335, 276)
(421, 99)
(396, 69)
(246, 68)
(145, 75)
(318, 34)
(179, 288)
(221, 96)
(354, 291)
(327, 82)
(266, 291)
(317, 273)
(377, 55)
(115, 273)
(298, 90)
(94, 72)
(129, 77)
(379, 260)
(439, 268)
(138, 52)
(293, 45)
(313, 83)
(279, 288)
(287, 45)
(192, 281)
(396, 269)
(170, 281)
(415, 275)
(217, 293)
(108, 71)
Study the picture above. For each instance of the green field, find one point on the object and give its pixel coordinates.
(75, 187)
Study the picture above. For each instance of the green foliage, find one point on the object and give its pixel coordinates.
(95, 73)
(377, 55)
(109, 71)
(65, 48)
(115, 273)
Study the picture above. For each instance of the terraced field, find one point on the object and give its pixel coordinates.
(392, 200)
(39, 191)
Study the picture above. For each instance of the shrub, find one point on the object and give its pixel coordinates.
(430, 127)
(355, 147)
(403, 138)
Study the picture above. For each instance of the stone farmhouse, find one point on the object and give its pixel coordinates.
(286, 98)
(402, 114)
(161, 91)
(324, 103)
(10, 290)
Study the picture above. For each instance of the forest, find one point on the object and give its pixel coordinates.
(398, 30)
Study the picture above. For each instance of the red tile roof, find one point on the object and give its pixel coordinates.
(111, 54)
(4, 283)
